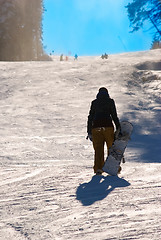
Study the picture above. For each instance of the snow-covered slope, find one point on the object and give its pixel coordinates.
(48, 190)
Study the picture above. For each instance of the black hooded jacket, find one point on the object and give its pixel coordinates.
(102, 113)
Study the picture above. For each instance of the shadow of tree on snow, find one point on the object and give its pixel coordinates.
(149, 66)
(148, 145)
(145, 113)
(98, 188)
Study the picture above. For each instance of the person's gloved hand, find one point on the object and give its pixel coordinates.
(89, 136)
(118, 133)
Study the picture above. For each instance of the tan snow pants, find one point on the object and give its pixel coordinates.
(100, 136)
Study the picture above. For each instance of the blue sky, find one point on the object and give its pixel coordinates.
(91, 27)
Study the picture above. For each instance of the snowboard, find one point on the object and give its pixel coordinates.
(116, 152)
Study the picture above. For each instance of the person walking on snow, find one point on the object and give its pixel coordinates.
(75, 57)
(100, 126)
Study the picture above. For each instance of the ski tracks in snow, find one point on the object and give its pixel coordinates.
(67, 202)
(47, 186)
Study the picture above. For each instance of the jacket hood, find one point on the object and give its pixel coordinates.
(102, 94)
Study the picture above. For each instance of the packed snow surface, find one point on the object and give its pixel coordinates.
(48, 189)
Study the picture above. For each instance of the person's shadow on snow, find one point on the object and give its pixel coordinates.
(98, 188)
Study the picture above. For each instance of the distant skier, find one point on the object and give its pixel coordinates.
(100, 127)
(104, 56)
(61, 57)
(75, 57)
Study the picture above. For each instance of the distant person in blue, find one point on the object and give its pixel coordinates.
(75, 57)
